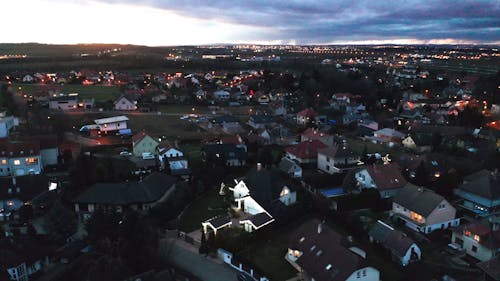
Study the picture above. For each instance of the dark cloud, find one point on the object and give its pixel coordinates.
(329, 21)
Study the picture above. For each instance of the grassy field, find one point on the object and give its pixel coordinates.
(168, 126)
(97, 92)
(209, 205)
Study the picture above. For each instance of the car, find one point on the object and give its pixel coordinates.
(125, 153)
(148, 155)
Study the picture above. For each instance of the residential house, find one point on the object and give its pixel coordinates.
(387, 179)
(306, 116)
(305, 152)
(388, 135)
(423, 210)
(20, 157)
(7, 123)
(290, 167)
(418, 142)
(126, 102)
(17, 191)
(321, 254)
(434, 165)
(479, 239)
(64, 103)
(225, 154)
(169, 154)
(402, 248)
(112, 124)
(263, 194)
(221, 95)
(143, 143)
(21, 258)
(315, 134)
(140, 196)
(260, 121)
(480, 193)
(337, 159)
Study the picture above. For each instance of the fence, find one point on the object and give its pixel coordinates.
(228, 258)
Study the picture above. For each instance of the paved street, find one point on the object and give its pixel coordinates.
(187, 258)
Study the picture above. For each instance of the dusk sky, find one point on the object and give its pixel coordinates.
(193, 22)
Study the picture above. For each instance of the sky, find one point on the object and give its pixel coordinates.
(198, 22)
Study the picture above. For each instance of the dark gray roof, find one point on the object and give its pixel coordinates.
(226, 150)
(483, 183)
(418, 199)
(151, 189)
(260, 219)
(265, 185)
(26, 187)
(394, 240)
(261, 119)
(219, 221)
(286, 164)
(379, 232)
(421, 139)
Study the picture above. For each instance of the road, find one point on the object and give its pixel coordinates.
(184, 256)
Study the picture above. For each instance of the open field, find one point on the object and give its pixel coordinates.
(97, 92)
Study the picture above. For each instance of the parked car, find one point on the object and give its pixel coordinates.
(125, 153)
(148, 155)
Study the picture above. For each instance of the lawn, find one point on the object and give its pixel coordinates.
(97, 92)
(168, 126)
(209, 205)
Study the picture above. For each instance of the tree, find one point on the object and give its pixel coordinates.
(421, 175)
(203, 249)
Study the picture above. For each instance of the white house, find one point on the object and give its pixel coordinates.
(6, 124)
(126, 103)
(320, 253)
(64, 103)
(480, 239)
(28, 79)
(222, 95)
(387, 179)
(112, 123)
(19, 158)
(402, 248)
(423, 210)
(290, 167)
(336, 159)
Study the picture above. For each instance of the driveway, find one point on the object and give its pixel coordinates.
(186, 257)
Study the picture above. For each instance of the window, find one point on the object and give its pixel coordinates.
(474, 249)
(327, 168)
(416, 217)
(17, 162)
(4, 161)
(476, 237)
(302, 239)
(467, 233)
(441, 206)
(327, 159)
(328, 267)
(31, 161)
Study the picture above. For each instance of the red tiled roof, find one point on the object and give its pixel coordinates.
(308, 112)
(138, 137)
(306, 149)
(313, 134)
(386, 176)
(9, 148)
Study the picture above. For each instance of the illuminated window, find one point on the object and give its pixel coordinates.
(31, 161)
(4, 161)
(467, 233)
(17, 162)
(416, 217)
(476, 237)
(296, 253)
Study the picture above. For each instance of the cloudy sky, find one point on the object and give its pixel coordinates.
(192, 22)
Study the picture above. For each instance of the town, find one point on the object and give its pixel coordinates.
(250, 162)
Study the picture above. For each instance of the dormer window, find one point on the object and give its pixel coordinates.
(9, 191)
(313, 247)
(302, 239)
(21, 152)
(18, 189)
(319, 253)
(328, 267)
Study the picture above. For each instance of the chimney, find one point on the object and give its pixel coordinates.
(259, 167)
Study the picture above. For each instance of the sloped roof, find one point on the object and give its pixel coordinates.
(386, 176)
(15, 148)
(27, 250)
(322, 249)
(417, 199)
(219, 221)
(286, 164)
(226, 150)
(421, 139)
(394, 240)
(336, 151)
(151, 189)
(260, 219)
(308, 112)
(139, 137)
(489, 238)
(483, 183)
(265, 185)
(29, 187)
(108, 120)
(306, 149)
